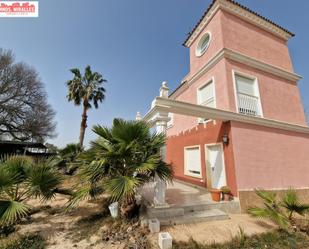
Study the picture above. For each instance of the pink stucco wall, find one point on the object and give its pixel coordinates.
(253, 41)
(215, 45)
(232, 32)
(223, 99)
(280, 98)
(269, 158)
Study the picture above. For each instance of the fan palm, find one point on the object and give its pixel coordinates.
(121, 160)
(66, 158)
(86, 90)
(292, 205)
(271, 209)
(21, 179)
(281, 212)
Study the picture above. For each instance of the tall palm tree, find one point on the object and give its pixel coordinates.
(22, 179)
(85, 89)
(120, 161)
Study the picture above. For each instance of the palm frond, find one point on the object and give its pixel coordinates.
(267, 196)
(84, 192)
(270, 213)
(164, 171)
(148, 166)
(11, 211)
(291, 203)
(17, 167)
(121, 187)
(94, 171)
(43, 180)
(76, 72)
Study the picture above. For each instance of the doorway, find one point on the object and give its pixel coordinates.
(215, 167)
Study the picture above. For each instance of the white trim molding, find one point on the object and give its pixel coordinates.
(263, 66)
(193, 110)
(242, 13)
(241, 58)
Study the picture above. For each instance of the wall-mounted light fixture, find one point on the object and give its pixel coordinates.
(225, 139)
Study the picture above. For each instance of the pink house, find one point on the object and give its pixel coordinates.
(237, 118)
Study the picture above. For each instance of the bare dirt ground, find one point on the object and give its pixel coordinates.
(87, 226)
(64, 229)
(216, 231)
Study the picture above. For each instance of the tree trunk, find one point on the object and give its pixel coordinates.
(83, 126)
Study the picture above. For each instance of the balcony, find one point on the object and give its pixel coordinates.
(248, 105)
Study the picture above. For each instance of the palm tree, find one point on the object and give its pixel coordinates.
(280, 212)
(292, 205)
(21, 179)
(120, 161)
(66, 158)
(271, 210)
(87, 90)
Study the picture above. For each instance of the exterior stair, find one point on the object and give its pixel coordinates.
(194, 217)
(193, 213)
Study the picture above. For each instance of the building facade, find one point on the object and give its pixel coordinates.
(240, 62)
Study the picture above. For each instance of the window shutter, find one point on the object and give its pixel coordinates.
(245, 85)
(206, 95)
(193, 160)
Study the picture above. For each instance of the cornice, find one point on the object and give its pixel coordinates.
(184, 108)
(241, 12)
(241, 58)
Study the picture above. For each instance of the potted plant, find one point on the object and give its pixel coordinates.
(215, 194)
(226, 193)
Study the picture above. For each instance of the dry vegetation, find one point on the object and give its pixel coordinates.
(90, 226)
(87, 226)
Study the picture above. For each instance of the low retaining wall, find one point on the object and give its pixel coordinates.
(249, 198)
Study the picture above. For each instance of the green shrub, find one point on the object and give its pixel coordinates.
(28, 241)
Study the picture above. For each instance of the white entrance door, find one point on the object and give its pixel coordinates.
(215, 164)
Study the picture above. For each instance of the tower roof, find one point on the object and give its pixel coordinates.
(241, 11)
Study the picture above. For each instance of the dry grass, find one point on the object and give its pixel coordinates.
(272, 240)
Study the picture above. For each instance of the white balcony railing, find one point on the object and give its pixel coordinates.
(248, 104)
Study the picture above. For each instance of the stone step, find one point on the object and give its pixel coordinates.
(194, 217)
(165, 212)
(231, 207)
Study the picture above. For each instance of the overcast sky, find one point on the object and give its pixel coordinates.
(135, 44)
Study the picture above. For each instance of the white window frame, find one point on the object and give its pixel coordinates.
(256, 86)
(198, 51)
(211, 80)
(186, 171)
